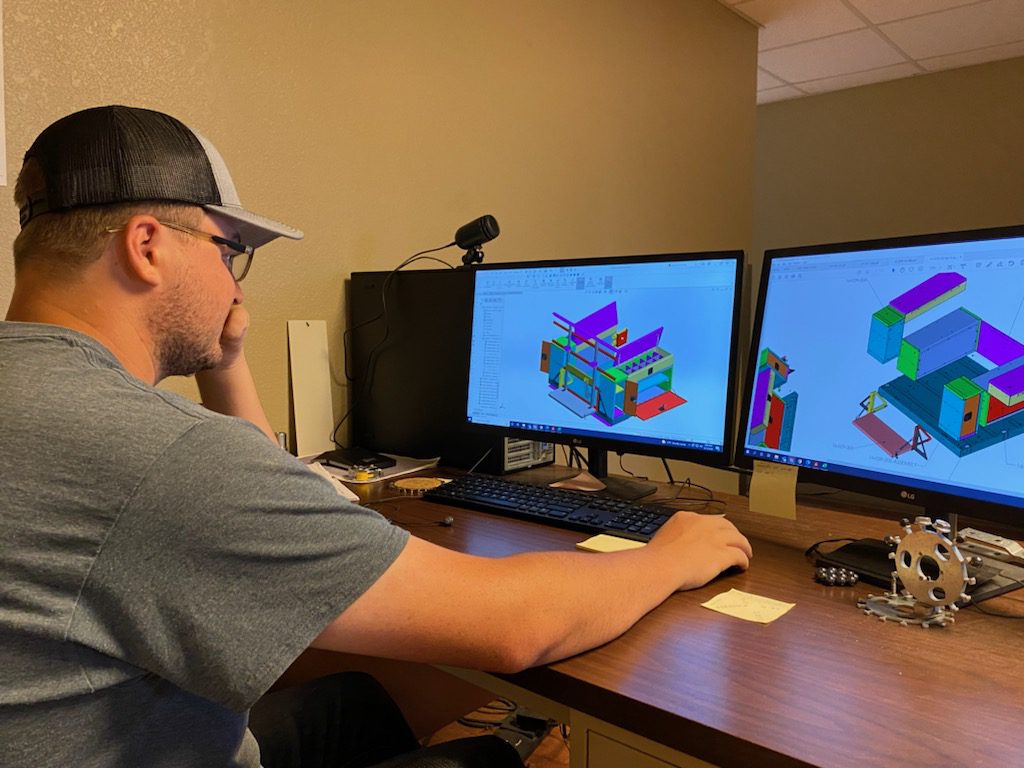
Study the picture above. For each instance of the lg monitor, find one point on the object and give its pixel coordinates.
(896, 367)
(630, 354)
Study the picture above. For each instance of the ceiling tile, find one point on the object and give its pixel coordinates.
(779, 94)
(837, 55)
(879, 11)
(765, 80)
(969, 58)
(880, 75)
(794, 21)
(981, 25)
(834, 44)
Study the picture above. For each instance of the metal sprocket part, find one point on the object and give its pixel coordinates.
(930, 565)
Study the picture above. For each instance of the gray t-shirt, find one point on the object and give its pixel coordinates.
(160, 564)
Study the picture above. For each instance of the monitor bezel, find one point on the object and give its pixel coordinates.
(937, 503)
(719, 459)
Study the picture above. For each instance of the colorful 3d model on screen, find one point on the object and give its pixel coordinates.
(773, 415)
(945, 389)
(594, 370)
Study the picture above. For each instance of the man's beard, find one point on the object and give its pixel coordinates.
(182, 347)
(182, 354)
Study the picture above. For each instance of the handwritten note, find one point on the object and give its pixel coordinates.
(773, 489)
(744, 605)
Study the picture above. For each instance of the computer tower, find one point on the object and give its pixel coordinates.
(407, 354)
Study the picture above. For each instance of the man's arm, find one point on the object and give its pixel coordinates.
(505, 614)
(229, 388)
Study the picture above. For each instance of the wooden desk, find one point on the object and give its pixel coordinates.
(825, 685)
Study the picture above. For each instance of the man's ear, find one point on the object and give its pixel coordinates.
(142, 242)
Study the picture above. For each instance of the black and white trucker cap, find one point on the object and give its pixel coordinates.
(121, 154)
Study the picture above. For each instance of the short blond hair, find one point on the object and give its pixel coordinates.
(75, 238)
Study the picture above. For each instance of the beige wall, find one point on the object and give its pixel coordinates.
(933, 153)
(586, 128)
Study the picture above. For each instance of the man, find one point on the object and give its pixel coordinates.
(163, 562)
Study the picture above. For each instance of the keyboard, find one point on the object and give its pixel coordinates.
(560, 507)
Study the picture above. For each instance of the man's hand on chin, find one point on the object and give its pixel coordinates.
(232, 337)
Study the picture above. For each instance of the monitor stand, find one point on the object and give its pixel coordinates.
(596, 479)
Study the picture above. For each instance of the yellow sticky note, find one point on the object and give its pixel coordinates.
(606, 543)
(744, 605)
(773, 489)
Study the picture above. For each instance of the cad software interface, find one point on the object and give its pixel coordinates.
(904, 365)
(634, 352)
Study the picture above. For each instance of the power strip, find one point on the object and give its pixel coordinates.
(524, 730)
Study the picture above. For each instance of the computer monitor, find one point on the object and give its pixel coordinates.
(402, 324)
(629, 354)
(896, 368)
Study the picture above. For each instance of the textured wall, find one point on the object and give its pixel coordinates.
(378, 128)
(934, 153)
(60, 57)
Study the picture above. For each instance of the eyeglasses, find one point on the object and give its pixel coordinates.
(237, 258)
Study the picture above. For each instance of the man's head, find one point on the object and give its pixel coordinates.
(131, 204)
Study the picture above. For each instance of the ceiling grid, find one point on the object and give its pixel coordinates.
(813, 46)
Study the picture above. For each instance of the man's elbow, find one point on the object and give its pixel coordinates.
(519, 651)
(509, 660)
